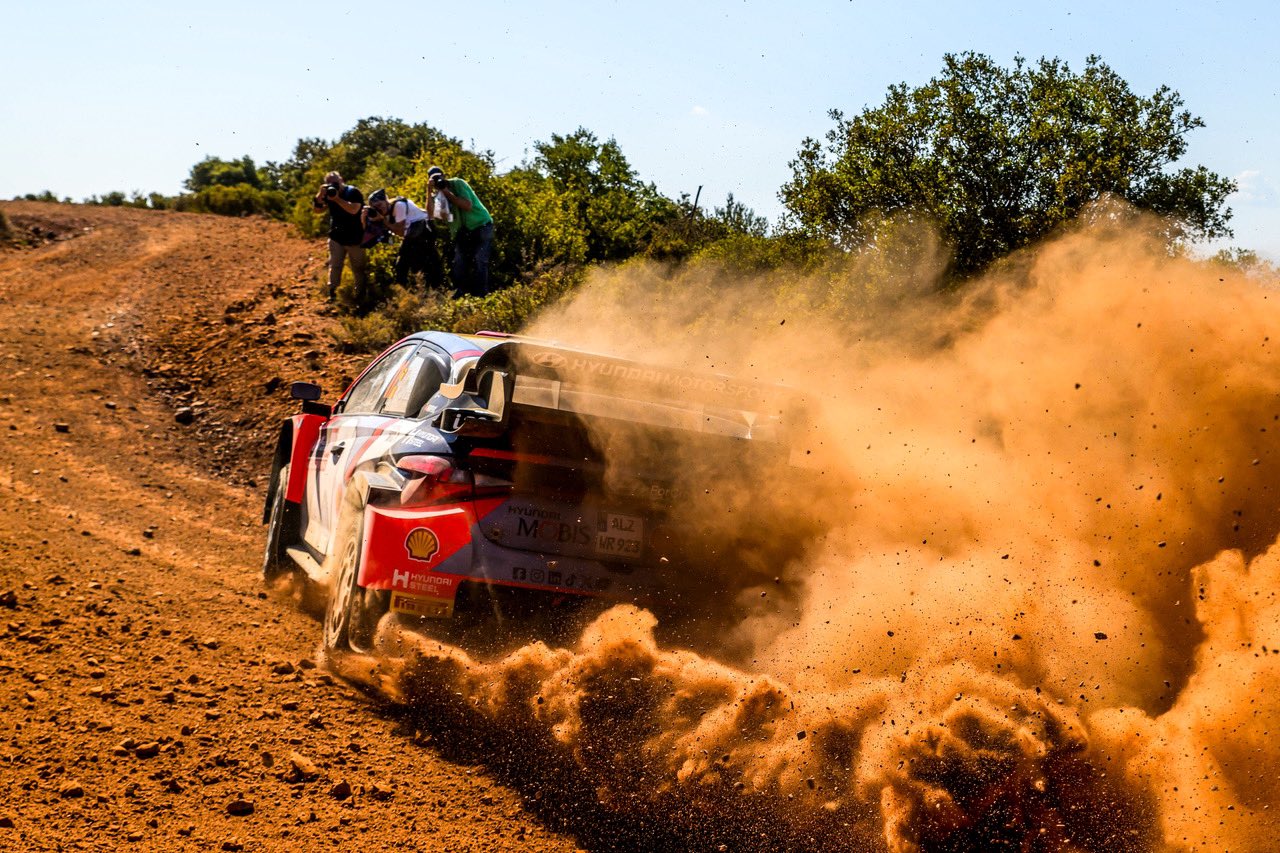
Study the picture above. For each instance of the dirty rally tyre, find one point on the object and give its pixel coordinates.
(337, 615)
(282, 531)
(351, 618)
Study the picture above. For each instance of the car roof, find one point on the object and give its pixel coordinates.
(466, 346)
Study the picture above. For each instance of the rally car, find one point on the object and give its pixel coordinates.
(489, 477)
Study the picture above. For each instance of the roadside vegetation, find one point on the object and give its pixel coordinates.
(970, 167)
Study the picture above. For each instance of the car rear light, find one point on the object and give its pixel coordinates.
(433, 480)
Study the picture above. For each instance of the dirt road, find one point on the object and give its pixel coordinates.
(154, 695)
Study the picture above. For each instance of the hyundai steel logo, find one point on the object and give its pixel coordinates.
(554, 360)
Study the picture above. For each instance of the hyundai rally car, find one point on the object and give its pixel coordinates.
(464, 477)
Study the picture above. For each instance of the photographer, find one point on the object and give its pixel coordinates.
(418, 248)
(346, 231)
(472, 230)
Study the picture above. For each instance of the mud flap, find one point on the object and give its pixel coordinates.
(420, 557)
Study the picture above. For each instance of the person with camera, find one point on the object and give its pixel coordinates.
(346, 231)
(472, 231)
(417, 247)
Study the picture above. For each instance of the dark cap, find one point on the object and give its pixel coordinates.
(435, 170)
(377, 195)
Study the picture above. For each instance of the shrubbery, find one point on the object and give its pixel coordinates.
(577, 202)
(235, 200)
(403, 311)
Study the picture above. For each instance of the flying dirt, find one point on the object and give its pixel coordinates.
(1043, 615)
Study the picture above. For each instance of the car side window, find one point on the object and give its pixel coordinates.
(364, 396)
(415, 384)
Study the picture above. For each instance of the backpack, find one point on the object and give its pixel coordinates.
(375, 232)
(391, 210)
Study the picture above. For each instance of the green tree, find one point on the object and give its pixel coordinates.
(691, 233)
(617, 210)
(291, 175)
(216, 172)
(115, 198)
(999, 157)
(386, 145)
(377, 152)
(736, 218)
(537, 226)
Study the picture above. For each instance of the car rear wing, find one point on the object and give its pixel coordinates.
(515, 375)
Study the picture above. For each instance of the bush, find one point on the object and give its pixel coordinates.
(401, 314)
(371, 333)
(238, 200)
(407, 311)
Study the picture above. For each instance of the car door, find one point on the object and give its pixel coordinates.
(347, 435)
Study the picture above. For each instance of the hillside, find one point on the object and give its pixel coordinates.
(153, 693)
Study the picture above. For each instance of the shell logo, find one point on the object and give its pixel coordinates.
(421, 544)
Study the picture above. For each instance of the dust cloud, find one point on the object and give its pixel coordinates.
(1037, 607)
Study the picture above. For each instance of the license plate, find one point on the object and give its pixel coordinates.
(619, 535)
(414, 605)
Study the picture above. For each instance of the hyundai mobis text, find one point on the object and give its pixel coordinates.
(488, 480)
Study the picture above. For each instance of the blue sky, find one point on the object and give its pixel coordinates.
(106, 96)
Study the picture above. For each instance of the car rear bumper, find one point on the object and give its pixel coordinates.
(423, 555)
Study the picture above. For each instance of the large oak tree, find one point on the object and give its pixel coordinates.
(998, 157)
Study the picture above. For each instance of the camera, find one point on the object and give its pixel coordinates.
(331, 190)
(438, 181)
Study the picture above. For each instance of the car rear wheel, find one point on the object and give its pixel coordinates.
(352, 616)
(282, 531)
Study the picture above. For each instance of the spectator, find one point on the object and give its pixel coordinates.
(418, 246)
(346, 231)
(472, 230)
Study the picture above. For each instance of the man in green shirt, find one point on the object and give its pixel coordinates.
(471, 227)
